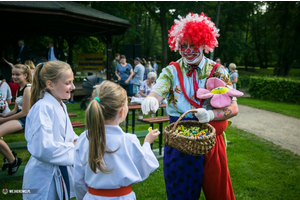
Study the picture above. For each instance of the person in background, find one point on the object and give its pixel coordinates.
(53, 53)
(233, 73)
(31, 65)
(124, 73)
(5, 92)
(15, 119)
(154, 65)
(138, 74)
(23, 53)
(114, 65)
(148, 68)
(107, 160)
(145, 89)
(14, 88)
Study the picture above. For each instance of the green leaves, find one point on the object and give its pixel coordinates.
(275, 88)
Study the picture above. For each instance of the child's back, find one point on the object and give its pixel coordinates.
(123, 163)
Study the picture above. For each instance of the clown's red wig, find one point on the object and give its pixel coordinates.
(196, 29)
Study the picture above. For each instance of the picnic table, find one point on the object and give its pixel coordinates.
(157, 120)
(135, 106)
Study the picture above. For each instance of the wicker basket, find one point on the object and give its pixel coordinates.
(193, 146)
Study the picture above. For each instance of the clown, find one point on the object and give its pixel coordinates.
(179, 82)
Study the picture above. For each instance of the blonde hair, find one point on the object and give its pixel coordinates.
(233, 67)
(149, 66)
(50, 70)
(112, 97)
(26, 70)
(30, 64)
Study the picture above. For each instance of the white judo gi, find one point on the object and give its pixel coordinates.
(132, 163)
(49, 135)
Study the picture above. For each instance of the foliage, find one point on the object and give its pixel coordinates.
(252, 33)
(275, 88)
(243, 82)
(87, 45)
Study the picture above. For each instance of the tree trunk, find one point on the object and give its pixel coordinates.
(246, 40)
(216, 23)
(71, 41)
(164, 35)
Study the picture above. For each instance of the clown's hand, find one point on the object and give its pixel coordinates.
(204, 116)
(149, 104)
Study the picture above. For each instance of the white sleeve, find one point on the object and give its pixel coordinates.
(8, 92)
(41, 144)
(145, 161)
(79, 184)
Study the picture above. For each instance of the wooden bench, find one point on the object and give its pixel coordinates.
(135, 106)
(75, 124)
(72, 115)
(157, 120)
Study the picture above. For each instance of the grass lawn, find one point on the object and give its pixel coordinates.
(289, 109)
(259, 169)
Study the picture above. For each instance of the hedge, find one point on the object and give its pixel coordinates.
(243, 82)
(275, 88)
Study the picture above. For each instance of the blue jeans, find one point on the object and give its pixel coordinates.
(127, 87)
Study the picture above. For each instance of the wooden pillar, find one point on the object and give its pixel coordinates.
(108, 51)
(71, 41)
(109, 57)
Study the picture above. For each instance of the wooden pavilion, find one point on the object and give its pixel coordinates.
(69, 20)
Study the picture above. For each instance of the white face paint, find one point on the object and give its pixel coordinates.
(191, 54)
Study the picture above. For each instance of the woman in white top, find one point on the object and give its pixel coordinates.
(5, 92)
(49, 134)
(15, 119)
(107, 160)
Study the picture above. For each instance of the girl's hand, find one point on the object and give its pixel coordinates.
(152, 136)
(74, 142)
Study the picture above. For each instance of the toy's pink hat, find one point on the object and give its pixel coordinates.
(221, 95)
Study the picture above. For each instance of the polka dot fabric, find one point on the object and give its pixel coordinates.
(183, 172)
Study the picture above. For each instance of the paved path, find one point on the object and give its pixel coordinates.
(277, 128)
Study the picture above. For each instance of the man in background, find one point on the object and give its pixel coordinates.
(23, 53)
(138, 75)
(53, 53)
(114, 64)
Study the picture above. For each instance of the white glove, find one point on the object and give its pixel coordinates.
(149, 104)
(204, 116)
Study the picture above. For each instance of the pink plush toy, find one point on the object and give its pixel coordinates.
(221, 95)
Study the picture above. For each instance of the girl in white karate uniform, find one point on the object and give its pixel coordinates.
(107, 160)
(49, 134)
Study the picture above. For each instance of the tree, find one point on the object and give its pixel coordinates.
(284, 32)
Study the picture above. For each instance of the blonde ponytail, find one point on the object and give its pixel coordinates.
(108, 99)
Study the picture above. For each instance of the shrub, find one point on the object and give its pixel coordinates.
(243, 82)
(275, 88)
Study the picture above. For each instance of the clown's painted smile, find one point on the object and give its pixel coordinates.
(190, 53)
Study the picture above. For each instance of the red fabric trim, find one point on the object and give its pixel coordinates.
(194, 81)
(182, 85)
(122, 191)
